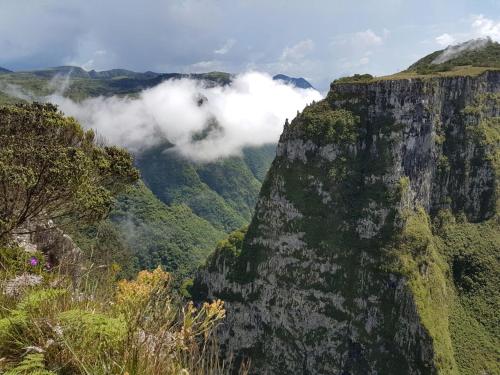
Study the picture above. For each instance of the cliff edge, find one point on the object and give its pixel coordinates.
(374, 245)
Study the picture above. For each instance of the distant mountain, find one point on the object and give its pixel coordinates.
(124, 74)
(297, 82)
(86, 84)
(3, 70)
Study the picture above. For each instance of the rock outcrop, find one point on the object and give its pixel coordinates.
(59, 249)
(375, 236)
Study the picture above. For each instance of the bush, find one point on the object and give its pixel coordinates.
(51, 168)
(323, 124)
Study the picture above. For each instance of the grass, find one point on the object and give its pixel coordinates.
(106, 326)
(469, 71)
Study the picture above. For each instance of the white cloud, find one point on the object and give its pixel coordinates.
(251, 112)
(226, 47)
(455, 50)
(445, 40)
(485, 27)
(364, 60)
(367, 38)
(480, 27)
(297, 51)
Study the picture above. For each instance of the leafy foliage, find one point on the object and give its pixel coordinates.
(32, 364)
(229, 249)
(51, 167)
(326, 125)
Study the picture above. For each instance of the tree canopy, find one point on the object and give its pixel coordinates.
(50, 168)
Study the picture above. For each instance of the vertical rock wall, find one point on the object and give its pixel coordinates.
(336, 274)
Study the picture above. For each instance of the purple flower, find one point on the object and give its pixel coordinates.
(33, 261)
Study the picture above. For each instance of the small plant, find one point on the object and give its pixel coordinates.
(141, 327)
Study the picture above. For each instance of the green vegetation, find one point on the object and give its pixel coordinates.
(325, 125)
(485, 56)
(193, 205)
(452, 271)
(356, 78)
(171, 236)
(51, 168)
(418, 260)
(51, 323)
(228, 250)
(80, 84)
(472, 62)
(138, 327)
(222, 192)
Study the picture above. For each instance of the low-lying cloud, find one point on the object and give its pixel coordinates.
(203, 122)
(455, 50)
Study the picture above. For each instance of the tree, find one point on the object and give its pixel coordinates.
(51, 168)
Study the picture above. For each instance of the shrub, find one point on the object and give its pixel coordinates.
(325, 125)
(50, 167)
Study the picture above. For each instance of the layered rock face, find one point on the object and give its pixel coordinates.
(362, 255)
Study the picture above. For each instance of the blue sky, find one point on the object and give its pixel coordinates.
(316, 39)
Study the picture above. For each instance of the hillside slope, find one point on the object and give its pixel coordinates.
(195, 204)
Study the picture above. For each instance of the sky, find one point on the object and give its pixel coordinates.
(319, 40)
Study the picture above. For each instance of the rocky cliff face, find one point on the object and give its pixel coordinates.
(373, 249)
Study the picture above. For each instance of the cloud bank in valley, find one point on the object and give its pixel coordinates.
(203, 122)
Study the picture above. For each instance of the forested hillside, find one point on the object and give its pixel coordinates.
(180, 211)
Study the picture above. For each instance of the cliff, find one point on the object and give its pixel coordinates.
(374, 245)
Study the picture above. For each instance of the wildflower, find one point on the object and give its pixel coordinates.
(33, 261)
